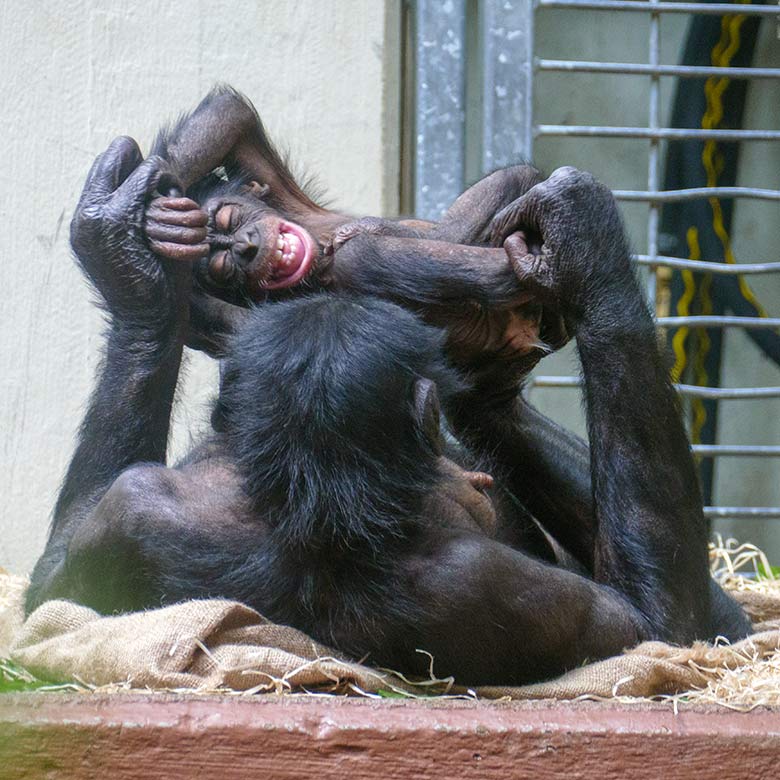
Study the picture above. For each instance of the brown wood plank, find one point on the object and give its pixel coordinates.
(132, 736)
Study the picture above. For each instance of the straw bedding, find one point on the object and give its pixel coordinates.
(208, 646)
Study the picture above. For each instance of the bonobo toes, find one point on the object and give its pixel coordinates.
(176, 228)
(373, 225)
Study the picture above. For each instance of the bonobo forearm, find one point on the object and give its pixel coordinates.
(146, 301)
(651, 531)
(127, 420)
(207, 137)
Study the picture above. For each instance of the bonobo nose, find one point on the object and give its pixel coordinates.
(246, 249)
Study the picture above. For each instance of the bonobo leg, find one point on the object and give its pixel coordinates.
(158, 535)
(650, 536)
(490, 614)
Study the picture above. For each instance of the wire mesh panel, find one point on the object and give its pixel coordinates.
(509, 70)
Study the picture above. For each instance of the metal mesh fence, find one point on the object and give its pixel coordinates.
(508, 66)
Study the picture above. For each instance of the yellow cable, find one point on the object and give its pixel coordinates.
(683, 304)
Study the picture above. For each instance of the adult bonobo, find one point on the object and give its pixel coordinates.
(327, 498)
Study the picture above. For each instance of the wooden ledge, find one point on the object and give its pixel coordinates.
(156, 736)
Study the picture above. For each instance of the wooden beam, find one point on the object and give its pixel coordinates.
(165, 736)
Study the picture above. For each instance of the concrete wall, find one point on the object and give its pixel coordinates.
(323, 74)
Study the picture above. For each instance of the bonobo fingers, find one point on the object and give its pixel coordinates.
(535, 273)
(174, 251)
(176, 228)
(178, 211)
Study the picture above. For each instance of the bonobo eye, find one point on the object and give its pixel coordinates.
(226, 218)
(221, 269)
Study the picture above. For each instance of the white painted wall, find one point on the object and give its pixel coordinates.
(322, 73)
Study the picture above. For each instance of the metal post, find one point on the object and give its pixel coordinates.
(507, 125)
(441, 87)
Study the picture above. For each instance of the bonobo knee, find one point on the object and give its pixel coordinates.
(137, 495)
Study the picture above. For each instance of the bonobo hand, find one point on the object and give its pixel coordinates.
(106, 234)
(583, 253)
(176, 228)
(498, 347)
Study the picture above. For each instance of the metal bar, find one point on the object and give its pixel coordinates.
(706, 9)
(674, 133)
(439, 105)
(725, 269)
(695, 193)
(645, 69)
(654, 123)
(715, 393)
(735, 450)
(749, 323)
(507, 68)
(728, 393)
(758, 512)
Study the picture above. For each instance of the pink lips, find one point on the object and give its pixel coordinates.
(298, 253)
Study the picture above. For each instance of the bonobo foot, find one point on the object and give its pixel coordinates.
(535, 274)
(374, 225)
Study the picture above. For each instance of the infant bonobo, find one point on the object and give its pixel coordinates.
(253, 232)
(326, 497)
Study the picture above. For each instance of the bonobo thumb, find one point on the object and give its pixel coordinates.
(112, 167)
(143, 181)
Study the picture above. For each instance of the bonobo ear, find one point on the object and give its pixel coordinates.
(426, 412)
(257, 190)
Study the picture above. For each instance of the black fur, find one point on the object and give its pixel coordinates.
(316, 393)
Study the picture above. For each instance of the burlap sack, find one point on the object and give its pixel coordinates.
(221, 644)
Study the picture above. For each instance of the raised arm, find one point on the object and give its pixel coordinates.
(128, 416)
(225, 130)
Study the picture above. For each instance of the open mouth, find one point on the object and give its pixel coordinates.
(294, 253)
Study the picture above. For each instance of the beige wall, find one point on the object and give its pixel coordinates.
(323, 75)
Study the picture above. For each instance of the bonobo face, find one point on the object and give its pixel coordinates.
(253, 247)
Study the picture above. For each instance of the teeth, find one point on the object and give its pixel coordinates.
(280, 242)
(278, 254)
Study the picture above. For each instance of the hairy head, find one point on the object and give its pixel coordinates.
(326, 407)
